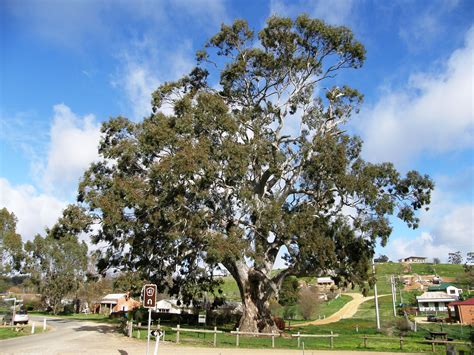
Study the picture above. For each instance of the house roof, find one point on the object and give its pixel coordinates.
(441, 287)
(435, 296)
(416, 257)
(324, 279)
(112, 297)
(468, 302)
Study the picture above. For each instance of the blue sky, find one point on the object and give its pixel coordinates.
(66, 66)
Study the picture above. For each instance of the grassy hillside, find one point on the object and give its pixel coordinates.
(383, 271)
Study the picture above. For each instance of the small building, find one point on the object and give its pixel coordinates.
(434, 301)
(413, 260)
(449, 288)
(325, 281)
(168, 306)
(463, 311)
(118, 302)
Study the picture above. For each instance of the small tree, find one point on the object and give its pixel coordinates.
(455, 258)
(436, 261)
(289, 291)
(57, 267)
(11, 247)
(308, 302)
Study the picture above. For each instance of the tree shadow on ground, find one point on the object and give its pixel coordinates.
(100, 328)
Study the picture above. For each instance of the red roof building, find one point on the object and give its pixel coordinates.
(463, 311)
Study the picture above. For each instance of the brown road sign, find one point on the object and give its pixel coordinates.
(149, 296)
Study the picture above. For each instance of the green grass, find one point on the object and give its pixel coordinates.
(348, 338)
(79, 316)
(383, 272)
(9, 332)
(325, 309)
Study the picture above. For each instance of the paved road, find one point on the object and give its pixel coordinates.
(78, 337)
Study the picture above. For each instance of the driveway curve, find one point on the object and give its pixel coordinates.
(347, 311)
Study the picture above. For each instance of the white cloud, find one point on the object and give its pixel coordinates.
(448, 226)
(432, 114)
(424, 28)
(143, 67)
(335, 12)
(34, 210)
(73, 146)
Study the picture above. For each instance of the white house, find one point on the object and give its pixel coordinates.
(168, 306)
(413, 260)
(450, 289)
(325, 281)
(434, 301)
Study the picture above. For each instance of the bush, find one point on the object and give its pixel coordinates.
(308, 302)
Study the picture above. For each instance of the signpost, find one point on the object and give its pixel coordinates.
(157, 334)
(149, 301)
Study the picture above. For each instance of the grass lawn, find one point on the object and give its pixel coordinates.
(348, 338)
(9, 332)
(325, 309)
(79, 316)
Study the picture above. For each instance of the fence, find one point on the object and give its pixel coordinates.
(400, 339)
(404, 342)
(330, 336)
(238, 333)
(179, 329)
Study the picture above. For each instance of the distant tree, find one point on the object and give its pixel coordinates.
(11, 246)
(468, 278)
(227, 180)
(455, 258)
(436, 261)
(129, 282)
(57, 262)
(381, 259)
(289, 291)
(308, 301)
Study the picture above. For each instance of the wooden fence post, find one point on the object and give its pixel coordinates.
(401, 342)
(365, 341)
(273, 340)
(44, 324)
(432, 346)
(33, 328)
(177, 334)
(215, 336)
(332, 340)
(299, 339)
(237, 338)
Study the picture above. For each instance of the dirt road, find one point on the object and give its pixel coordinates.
(77, 337)
(347, 311)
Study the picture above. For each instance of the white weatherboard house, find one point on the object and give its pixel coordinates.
(167, 306)
(434, 301)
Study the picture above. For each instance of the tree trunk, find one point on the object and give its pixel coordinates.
(256, 291)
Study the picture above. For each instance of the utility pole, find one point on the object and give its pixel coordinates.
(376, 298)
(392, 283)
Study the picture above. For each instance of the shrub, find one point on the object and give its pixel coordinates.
(308, 301)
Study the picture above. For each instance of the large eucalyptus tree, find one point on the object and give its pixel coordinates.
(241, 171)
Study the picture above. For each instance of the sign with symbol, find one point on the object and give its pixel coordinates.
(156, 333)
(149, 296)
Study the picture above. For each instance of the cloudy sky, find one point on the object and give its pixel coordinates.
(66, 66)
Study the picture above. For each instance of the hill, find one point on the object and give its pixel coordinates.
(382, 270)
